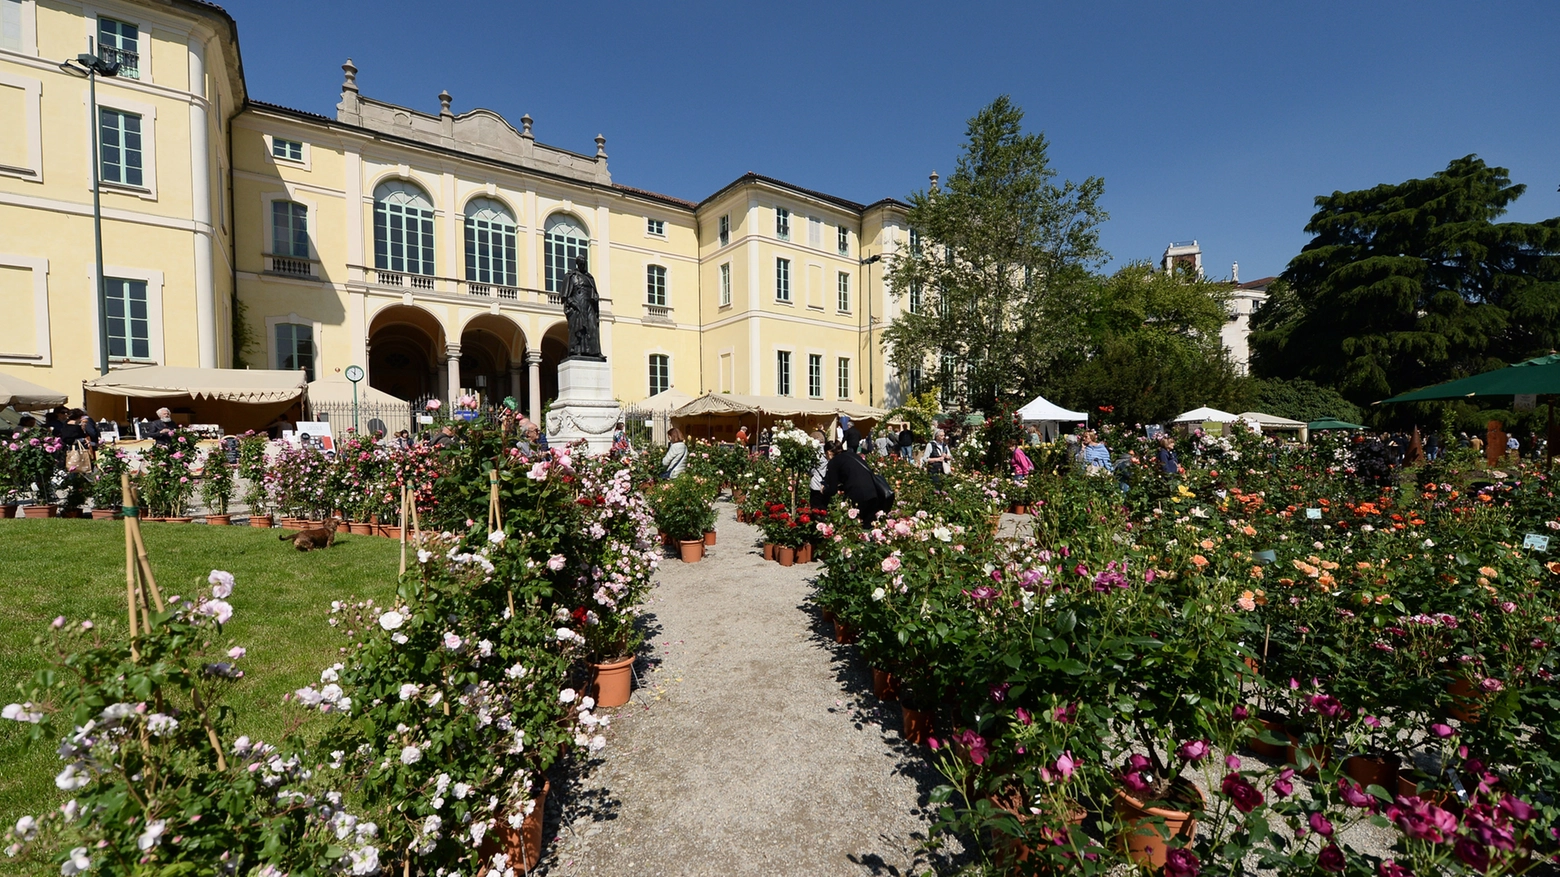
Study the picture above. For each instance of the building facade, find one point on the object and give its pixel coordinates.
(427, 247)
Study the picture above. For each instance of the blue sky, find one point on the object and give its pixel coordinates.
(1214, 121)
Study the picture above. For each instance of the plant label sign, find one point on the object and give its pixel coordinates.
(1313, 514)
(1536, 542)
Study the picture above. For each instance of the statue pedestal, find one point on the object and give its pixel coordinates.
(585, 409)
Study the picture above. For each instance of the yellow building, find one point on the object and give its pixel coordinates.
(427, 247)
(167, 229)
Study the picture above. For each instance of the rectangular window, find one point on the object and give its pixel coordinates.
(814, 232)
(842, 237)
(815, 375)
(782, 280)
(129, 321)
(945, 373)
(656, 227)
(915, 296)
(121, 133)
(842, 376)
(295, 348)
(660, 373)
(289, 229)
(11, 25)
(121, 42)
(842, 290)
(782, 223)
(783, 373)
(725, 230)
(655, 286)
(292, 150)
(725, 284)
(914, 379)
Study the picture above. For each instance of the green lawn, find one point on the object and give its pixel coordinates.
(76, 568)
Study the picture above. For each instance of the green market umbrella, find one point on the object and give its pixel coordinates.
(1331, 423)
(1535, 377)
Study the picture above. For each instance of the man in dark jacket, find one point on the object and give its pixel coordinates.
(163, 428)
(847, 473)
(906, 442)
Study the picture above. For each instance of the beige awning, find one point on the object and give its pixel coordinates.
(24, 395)
(775, 406)
(252, 386)
(337, 390)
(1272, 421)
(663, 402)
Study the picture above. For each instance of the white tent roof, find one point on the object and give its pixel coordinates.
(1272, 421)
(1041, 408)
(1200, 415)
(664, 402)
(26, 395)
(254, 386)
(775, 406)
(336, 390)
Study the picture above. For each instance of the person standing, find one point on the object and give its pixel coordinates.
(1095, 455)
(884, 443)
(676, 458)
(851, 438)
(742, 436)
(1513, 448)
(906, 442)
(939, 459)
(819, 471)
(847, 473)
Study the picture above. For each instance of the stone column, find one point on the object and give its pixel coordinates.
(533, 359)
(514, 381)
(452, 367)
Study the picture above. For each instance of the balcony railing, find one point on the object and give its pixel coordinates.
(658, 312)
(458, 287)
(290, 266)
(129, 62)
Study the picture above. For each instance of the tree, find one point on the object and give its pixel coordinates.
(1299, 399)
(989, 284)
(1409, 284)
(1153, 347)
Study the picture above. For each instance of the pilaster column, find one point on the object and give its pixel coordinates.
(452, 366)
(514, 381)
(533, 359)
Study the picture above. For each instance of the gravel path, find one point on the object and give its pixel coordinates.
(755, 746)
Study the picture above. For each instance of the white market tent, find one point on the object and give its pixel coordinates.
(1204, 415)
(236, 399)
(1050, 416)
(331, 396)
(24, 395)
(717, 415)
(664, 402)
(1274, 423)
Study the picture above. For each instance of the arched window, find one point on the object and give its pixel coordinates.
(403, 228)
(564, 239)
(490, 243)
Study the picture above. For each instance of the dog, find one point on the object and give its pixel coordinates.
(308, 540)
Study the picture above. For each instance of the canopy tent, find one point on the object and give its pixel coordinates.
(235, 399)
(24, 395)
(1331, 423)
(1042, 409)
(1205, 414)
(330, 399)
(1274, 423)
(664, 402)
(717, 415)
(1539, 376)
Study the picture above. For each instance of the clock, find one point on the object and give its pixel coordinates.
(354, 373)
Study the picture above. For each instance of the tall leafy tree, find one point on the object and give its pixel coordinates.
(1413, 283)
(989, 286)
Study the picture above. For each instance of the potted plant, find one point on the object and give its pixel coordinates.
(107, 489)
(77, 488)
(683, 512)
(217, 486)
(251, 468)
(35, 459)
(167, 478)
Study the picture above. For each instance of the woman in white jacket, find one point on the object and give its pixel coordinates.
(676, 458)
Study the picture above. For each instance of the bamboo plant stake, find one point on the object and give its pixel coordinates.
(403, 529)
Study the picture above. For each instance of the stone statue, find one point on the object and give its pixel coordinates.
(582, 308)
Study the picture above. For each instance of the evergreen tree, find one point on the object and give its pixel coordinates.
(1409, 284)
(989, 286)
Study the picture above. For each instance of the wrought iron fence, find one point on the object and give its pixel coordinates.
(372, 417)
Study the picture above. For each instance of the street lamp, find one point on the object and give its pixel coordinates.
(90, 65)
(867, 294)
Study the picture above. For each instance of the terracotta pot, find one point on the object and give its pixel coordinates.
(1317, 753)
(1407, 788)
(612, 683)
(785, 554)
(692, 550)
(1379, 770)
(1012, 850)
(38, 511)
(260, 522)
(805, 553)
(1265, 749)
(829, 616)
(104, 514)
(709, 537)
(769, 551)
(844, 634)
(72, 513)
(313, 524)
(219, 520)
(1467, 701)
(665, 539)
(179, 519)
(884, 685)
(392, 530)
(917, 725)
(1018, 508)
(739, 496)
(361, 529)
(1141, 838)
(995, 521)
(522, 846)
(8, 510)
(293, 523)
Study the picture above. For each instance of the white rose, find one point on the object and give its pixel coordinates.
(411, 755)
(391, 620)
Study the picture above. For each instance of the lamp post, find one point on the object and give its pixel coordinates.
(867, 294)
(92, 67)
